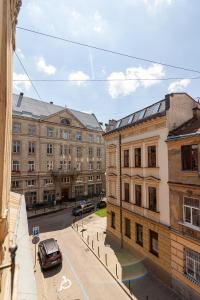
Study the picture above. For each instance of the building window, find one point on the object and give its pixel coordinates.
(16, 127)
(78, 152)
(98, 139)
(15, 166)
(15, 184)
(151, 156)
(138, 195)
(79, 191)
(139, 234)
(90, 138)
(32, 130)
(126, 158)
(192, 265)
(138, 157)
(78, 136)
(65, 121)
(91, 165)
(48, 181)
(63, 165)
(98, 177)
(98, 165)
(31, 147)
(152, 198)
(127, 228)
(91, 190)
(31, 166)
(189, 157)
(113, 219)
(98, 152)
(154, 242)
(30, 198)
(79, 179)
(191, 211)
(65, 180)
(69, 165)
(49, 196)
(49, 149)
(49, 165)
(16, 146)
(90, 152)
(30, 182)
(98, 189)
(126, 192)
(63, 150)
(64, 134)
(90, 178)
(49, 132)
(78, 166)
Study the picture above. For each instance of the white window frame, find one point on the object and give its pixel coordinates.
(190, 224)
(30, 182)
(192, 258)
(15, 166)
(49, 131)
(49, 148)
(16, 146)
(32, 130)
(31, 165)
(50, 165)
(90, 178)
(16, 127)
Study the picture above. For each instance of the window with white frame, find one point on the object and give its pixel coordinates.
(32, 130)
(65, 180)
(98, 152)
(30, 182)
(98, 165)
(31, 165)
(78, 152)
(69, 165)
(78, 136)
(49, 149)
(48, 181)
(64, 134)
(192, 265)
(79, 179)
(90, 151)
(91, 165)
(49, 165)
(16, 127)
(49, 131)
(15, 166)
(98, 177)
(15, 184)
(191, 211)
(90, 178)
(78, 166)
(63, 165)
(90, 138)
(31, 147)
(16, 146)
(98, 139)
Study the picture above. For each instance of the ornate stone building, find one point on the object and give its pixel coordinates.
(184, 183)
(57, 153)
(137, 179)
(12, 206)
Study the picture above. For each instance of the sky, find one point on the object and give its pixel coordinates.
(159, 30)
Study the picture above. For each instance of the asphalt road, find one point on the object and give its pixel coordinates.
(81, 277)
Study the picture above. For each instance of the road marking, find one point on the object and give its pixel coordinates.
(76, 275)
(65, 284)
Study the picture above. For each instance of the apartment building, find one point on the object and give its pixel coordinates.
(137, 179)
(184, 188)
(57, 153)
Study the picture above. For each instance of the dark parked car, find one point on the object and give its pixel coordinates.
(101, 204)
(84, 208)
(49, 253)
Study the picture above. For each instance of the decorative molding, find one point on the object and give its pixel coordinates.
(15, 8)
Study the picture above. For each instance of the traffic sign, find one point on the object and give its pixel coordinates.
(36, 231)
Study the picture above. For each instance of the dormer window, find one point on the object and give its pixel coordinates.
(65, 122)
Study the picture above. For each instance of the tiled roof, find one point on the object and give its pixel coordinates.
(158, 108)
(32, 108)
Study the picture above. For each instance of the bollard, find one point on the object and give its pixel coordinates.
(106, 259)
(97, 236)
(92, 244)
(88, 239)
(116, 271)
(98, 252)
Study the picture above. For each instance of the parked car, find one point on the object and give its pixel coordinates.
(84, 208)
(101, 204)
(49, 253)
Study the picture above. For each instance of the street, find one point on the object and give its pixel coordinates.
(81, 276)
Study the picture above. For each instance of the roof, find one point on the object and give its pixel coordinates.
(157, 109)
(189, 128)
(50, 246)
(36, 109)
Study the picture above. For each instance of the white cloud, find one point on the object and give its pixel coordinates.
(179, 85)
(157, 3)
(21, 85)
(125, 88)
(20, 53)
(44, 67)
(79, 77)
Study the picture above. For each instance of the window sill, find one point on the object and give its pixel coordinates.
(192, 279)
(140, 244)
(190, 226)
(129, 237)
(154, 253)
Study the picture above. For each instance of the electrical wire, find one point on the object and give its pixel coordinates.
(107, 50)
(29, 79)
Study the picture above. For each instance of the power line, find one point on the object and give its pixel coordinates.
(108, 51)
(23, 67)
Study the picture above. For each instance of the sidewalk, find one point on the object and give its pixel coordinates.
(126, 267)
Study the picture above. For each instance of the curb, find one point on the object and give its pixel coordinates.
(132, 297)
(47, 213)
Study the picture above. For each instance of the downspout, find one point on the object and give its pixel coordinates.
(120, 188)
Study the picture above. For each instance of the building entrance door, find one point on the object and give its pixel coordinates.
(65, 194)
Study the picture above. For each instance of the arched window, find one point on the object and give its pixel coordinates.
(65, 122)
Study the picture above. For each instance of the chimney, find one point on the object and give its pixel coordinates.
(196, 113)
(111, 124)
(19, 101)
(51, 102)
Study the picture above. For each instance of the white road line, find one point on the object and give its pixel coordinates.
(76, 275)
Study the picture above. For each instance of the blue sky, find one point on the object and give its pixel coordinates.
(161, 30)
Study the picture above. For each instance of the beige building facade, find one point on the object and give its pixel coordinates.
(57, 153)
(184, 185)
(137, 179)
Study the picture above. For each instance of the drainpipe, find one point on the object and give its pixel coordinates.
(120, 188)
